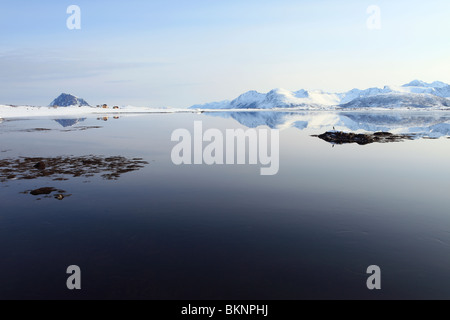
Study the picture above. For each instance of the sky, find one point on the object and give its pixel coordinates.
(177, 53)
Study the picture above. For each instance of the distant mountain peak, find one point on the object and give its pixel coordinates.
(420, 83)
(439, 84)
(416, 83)
(66, 100)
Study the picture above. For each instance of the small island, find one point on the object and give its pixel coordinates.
(340, 137)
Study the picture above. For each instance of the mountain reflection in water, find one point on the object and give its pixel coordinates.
(420, 124)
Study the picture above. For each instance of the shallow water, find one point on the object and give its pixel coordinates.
(226, 232)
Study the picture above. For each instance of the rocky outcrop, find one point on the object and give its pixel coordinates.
(339, 137)
(66, 100)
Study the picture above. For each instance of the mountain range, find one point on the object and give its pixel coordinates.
(416, 94)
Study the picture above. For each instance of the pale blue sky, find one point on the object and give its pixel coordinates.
(179, 53)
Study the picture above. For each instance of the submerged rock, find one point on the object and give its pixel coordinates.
(40, 165)
(63, 168)
(48, 192)
(40, 191)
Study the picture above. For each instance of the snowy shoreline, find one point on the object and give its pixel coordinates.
(10, 112)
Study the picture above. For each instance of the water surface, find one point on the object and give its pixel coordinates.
(225, 232)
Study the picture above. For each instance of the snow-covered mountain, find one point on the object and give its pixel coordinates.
(399, 100)
(67, 100)
(416, 94)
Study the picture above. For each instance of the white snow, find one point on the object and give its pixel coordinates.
(31, 111)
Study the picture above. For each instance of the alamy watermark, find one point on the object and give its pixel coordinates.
(229, 148)
(74, 280)
(374, 281)
(374, 20)
(73, 22)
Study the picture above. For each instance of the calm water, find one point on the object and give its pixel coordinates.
(225, 232)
